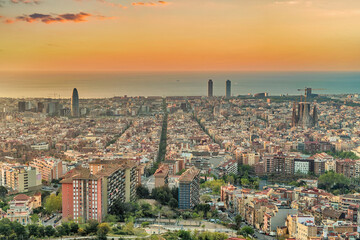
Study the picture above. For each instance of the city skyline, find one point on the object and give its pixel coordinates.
(265, 35)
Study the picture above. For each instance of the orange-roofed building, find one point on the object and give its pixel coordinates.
(161, 176)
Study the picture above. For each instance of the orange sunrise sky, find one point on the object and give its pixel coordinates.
(180, 35)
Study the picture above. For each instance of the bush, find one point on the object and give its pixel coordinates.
(145, 224)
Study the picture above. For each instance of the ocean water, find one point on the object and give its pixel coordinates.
(109, 84)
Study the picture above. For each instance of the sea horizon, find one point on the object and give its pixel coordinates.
(105, 84)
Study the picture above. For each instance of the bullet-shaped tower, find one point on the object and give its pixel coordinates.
(75, 111)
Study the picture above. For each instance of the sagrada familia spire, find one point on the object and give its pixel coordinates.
(302, 117)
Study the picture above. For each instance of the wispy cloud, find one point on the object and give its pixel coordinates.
(25, 1)
(149, 3)
(55, 18)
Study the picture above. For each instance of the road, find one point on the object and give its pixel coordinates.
(51, 222)
(263, 236)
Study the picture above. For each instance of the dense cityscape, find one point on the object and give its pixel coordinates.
(250, 166)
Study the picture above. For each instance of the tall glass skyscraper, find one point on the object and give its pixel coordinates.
(228, 89)
(210, 88)
(75, 111)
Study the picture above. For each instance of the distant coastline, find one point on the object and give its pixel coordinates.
(109, 84)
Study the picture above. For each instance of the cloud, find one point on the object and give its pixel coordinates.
(52, 18)
(112, 4)
(149, 3)
(25, 1)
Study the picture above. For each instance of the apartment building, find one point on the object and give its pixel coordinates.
(189, 187)
(90, 193)
(21, 208)
(49, 167)
(20, 178)
(346, 167)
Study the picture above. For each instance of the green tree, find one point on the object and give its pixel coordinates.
(34, 218)
(184, 235)
(91, 226)
(103, 230)
(173, 203)
(205, 198)
(111, 218)
(3, 192)
(238, 220)
(49, 231)
(142, 192)
(53, 203)
(66, 227)
(60, 231)
(128, 228)
(245, 231)
(32, 229)
(19, 230)
(214, 185)
(245, 182)
(41, 231)
(74, 227)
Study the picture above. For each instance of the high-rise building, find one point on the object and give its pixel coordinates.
(75, 110)
(189, 188)
(40, 107)
(49, 167)
(90, 193)
(20, 178)
(22, 106)
(228, 89)
(210, 88)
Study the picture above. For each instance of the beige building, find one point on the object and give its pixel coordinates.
(161, 176)
(50, 168)
(20, 178)
(306, 230)
(21, 208)
(301, 227)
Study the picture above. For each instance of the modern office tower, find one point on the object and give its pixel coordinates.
(40, 107)
(90, 193)
(210, 88)
(53, 108)
(189, 188)
(75, 110)
(228, 89)
(303, 117)
(22, 106)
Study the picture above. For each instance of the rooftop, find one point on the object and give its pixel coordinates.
(189, 174)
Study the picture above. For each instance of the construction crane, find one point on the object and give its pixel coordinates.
(308, 91)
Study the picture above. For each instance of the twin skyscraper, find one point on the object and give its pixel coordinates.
(211, 88)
